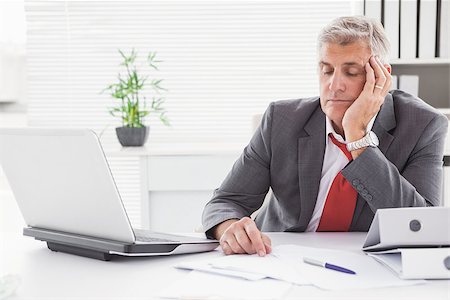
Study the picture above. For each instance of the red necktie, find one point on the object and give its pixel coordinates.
(337, 214)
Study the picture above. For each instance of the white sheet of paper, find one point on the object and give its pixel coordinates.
(369, 272)
(393, 260)
(285, 263)
(201, 285)
(270, 265)
(250, 267)
(206, 266)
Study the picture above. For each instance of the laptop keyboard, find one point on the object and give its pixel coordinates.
(147, 237)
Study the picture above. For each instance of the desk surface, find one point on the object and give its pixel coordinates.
(48, 275)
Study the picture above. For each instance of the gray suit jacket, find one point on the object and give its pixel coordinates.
(286, 153)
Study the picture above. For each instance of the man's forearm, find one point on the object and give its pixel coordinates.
(380, 183)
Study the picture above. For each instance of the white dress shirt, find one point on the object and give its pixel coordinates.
(334, 161)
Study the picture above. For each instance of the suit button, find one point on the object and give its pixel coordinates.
(369, 197)
(360, 187)
(355, 182)
(364, 192)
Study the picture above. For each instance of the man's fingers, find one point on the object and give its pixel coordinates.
(267, 243)
(234, 245)
(244, 241)
(370, 79)
(244, 237)
(226, 248)
(255, 236)
(387, 85)
(380, 77)
(231, 239)
(235, 240)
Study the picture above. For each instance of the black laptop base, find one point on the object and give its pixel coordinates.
(79, 251)
(92, 247)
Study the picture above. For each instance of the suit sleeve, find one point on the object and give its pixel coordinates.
(244, 189)
(419, 183)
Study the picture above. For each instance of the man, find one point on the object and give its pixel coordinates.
(332, 161)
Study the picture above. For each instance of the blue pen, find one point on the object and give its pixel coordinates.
(327, 265)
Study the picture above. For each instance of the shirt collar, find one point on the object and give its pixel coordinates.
(329, 129)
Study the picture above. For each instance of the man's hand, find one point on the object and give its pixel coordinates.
(367, 105)
(242, 236)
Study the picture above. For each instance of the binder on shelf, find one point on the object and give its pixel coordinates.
(412, 241)
(408, 29)
(358, 7)
(403, 227)
(409, 84)
(373, 9)
(419, 263)
(392, 25)
(444, 49)
(427, 29)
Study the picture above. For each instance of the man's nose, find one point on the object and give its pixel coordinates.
(337, 83)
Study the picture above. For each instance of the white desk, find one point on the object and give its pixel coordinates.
(48, 275)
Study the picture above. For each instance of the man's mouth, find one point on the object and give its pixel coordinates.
(340, 100)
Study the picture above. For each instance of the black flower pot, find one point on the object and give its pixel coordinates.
(132, 136)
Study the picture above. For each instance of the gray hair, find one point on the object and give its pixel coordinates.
(347, 30)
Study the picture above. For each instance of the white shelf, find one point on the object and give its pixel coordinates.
(7, 100)
(420, 61)
(178, 150)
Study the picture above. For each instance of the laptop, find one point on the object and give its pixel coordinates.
(66, 193)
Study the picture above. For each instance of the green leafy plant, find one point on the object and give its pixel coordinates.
(129, 90)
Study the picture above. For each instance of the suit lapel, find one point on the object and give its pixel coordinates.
(311, 150)
(384, 122)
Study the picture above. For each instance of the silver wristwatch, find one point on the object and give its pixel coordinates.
(369, 140)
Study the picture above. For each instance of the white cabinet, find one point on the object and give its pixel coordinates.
(180, 186)
(434, 78)
(174, 185)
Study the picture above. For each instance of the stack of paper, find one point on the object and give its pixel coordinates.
(369, 273)
(249, 267)
(270, 277)
(413, 263)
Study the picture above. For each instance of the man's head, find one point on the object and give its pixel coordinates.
(344, 47)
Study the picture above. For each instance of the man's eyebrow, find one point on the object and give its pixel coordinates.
(350, 64)
(324, 63)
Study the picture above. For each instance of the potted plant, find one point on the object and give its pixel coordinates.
(132, 104)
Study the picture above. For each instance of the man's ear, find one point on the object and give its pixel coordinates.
(388, 67)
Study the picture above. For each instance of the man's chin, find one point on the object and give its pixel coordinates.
(338, 107)
(336, 114)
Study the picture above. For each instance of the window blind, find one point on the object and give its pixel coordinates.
(223, 62)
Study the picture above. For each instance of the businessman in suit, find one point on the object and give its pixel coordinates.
(332, 161)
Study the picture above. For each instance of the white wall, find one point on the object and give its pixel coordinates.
(13, 96)
(10, 120)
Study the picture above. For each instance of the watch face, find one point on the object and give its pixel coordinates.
(373, 138)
